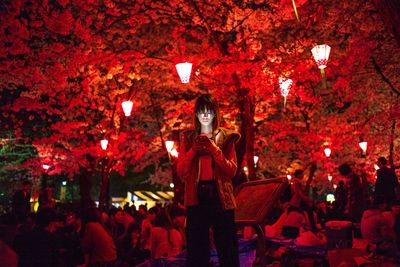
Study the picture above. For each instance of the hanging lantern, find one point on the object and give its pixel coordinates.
(285, 85)
(45, 166)
(289, 177)
(174, 153)
(363, 146)
(255, 160)
(327, 152)
(334, 186)
(127, 107)
(329, 177)
(169, 145)
(330, 198)
(184, 70)
(104, 144)
(321, 55)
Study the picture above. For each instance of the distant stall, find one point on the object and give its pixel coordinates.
(148, 198)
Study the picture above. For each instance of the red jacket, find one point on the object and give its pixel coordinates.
(225, 166)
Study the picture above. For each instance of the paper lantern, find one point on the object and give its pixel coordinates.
(169, 145)
(255, 159)
(285, 85)
(321, 55)
(184, 70)
(330, 177)
(363, 146)
(174, 153)
(104, 144)
(327, 152)
(127, 107)
(330, 198)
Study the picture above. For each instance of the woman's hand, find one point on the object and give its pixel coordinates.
(203, 143)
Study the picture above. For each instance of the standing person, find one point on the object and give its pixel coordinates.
(340, 200)
(21, 202)
(207, 164)
(354, 203)
(386, 182)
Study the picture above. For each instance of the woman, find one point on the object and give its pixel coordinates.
(165, 240)
(207, 164)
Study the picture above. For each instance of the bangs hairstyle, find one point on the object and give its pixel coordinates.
(206, 102)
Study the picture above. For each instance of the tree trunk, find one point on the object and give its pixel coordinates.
(246, 144)
(104, 196)
(85, 187)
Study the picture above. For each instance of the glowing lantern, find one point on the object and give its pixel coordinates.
(329, 177)
(127, 107)
(255, 159)
(184, 70)
(321, 55)
(169, 145)
(289, 177)
(285, 85)
(45, 166)
(171, 185)
(174, 153)
(363, 146)
(104, 144)
(327, 152)
(376, 167)
(330, 198)
(334, 186)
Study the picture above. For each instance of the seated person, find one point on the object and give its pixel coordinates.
(296, 221)
(376, 229)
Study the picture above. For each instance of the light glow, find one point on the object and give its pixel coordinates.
(330, 198)
(45, 166)
(255, 159)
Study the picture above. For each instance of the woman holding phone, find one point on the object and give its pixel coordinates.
(207, 164)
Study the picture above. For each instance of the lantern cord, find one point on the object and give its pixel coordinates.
(295, 10)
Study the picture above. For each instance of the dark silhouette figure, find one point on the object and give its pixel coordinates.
(21, 205)
(386, 182)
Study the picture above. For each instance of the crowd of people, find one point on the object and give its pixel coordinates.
(60, 237)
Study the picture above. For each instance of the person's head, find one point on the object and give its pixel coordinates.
(152, 213)
(163, 220)
(206, 112)
(90, 215)
(26, 186)
(178, 217)
(116, 215)
(142, 209)
(298, 174)
(345, 169)
(48, 219)
(382, 162)
(341, 183)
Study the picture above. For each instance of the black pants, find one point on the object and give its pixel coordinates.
(199, 220)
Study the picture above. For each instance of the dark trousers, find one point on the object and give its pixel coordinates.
(199, 220)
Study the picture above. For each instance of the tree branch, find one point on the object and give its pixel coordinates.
(384, 78)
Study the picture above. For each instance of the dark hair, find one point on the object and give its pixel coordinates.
(344, 169)
(382, 160)
(114, 211)
(90, 215)
(297, 173)
(45, 216)
(175, 212)
(203, 102)
(163, 220)
(153, 210)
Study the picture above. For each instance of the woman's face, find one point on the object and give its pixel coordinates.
(205, 117)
